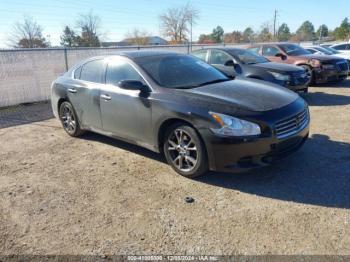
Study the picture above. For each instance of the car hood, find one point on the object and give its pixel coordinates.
(246, 94)
(321, 57)
(278, 67)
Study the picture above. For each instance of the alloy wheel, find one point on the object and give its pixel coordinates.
(182, 150)
(68, 119)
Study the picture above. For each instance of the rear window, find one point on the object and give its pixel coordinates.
(254, 49)
(93, 71)
(201, 54)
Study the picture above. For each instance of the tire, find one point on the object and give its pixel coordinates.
(309, 72)
(185, 151)
(69, 120)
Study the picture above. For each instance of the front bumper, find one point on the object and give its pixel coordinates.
(325, 76)
(295, 84)
(236, 155)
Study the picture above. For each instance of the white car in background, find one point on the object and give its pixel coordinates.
(332, 51)
(342, 47)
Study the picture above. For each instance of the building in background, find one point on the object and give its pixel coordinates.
(149, 40)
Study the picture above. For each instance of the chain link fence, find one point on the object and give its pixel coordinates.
(26, 74)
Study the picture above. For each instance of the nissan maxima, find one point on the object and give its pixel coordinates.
(182, 107)
(240, 62)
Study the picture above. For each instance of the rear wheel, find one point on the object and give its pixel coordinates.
(184, 151)
(69, 120)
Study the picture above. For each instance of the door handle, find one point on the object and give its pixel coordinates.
(72, 90)
(106, 97)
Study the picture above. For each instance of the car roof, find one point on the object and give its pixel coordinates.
(227, 49)
(134, 54)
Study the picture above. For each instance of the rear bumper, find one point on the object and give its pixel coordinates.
(325, 76)
(243, 154)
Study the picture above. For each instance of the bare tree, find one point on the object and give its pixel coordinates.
(137, 37)
(176, 23)
(27, 34)
(89, 24)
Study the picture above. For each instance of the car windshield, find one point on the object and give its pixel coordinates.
(330, 49)
(180, 71)
(323, 50)
(294, 50)
(248, 57)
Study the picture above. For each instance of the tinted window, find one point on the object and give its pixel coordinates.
(248, 57)
(270, 50)
(93, 71)
(340, 47)
(219, 58)
(202, 54)
(294, 50)
(77, 73)
(312, 51)
(179, 71)
(323, 50)
(119, 70)
(254, 49)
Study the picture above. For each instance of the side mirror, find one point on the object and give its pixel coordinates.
(229, 63)
(282, 56)
(133, 85)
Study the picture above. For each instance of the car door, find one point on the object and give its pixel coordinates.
(270, 52)
(84, 93)
(125, 113)
(223, 61)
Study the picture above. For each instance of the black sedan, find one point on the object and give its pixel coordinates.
(240, 62)
(178, 105)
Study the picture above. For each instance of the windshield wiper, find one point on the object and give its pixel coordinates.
(213, 82)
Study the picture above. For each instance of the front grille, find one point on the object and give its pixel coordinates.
(292, 125)
(342, 66)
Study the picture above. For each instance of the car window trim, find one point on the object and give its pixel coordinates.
(201, 50)
(218, 50)
(130, 63)
(86, 81)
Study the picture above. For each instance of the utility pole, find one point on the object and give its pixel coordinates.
(274, 25)
(191, 32)
(321, 34)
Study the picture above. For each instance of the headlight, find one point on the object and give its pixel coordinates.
(232, 126)
(328, 67)
(281, 77)
(315, 63)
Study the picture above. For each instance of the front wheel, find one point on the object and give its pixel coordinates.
(309, 73)
(184, 151)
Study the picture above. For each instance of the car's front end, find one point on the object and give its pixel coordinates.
(292, 77)
(296, 81)
(282, 132)
(331, 70)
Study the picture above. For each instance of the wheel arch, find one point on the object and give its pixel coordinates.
(168, 123)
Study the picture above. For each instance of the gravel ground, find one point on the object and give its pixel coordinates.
(96, 195)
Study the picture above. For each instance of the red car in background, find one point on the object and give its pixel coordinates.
(320, 68)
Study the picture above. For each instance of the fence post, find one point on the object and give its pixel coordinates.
(66, 58)
(188, 48)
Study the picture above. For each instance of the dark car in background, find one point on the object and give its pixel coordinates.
(181, 106)
(241, 62)
(321, 68)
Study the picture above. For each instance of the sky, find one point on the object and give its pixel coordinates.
(120, 16)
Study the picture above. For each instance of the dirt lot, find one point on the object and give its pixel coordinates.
(96, 195)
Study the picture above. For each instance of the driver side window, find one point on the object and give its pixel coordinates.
(270, 51)
(119, 70)
(219, 57)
